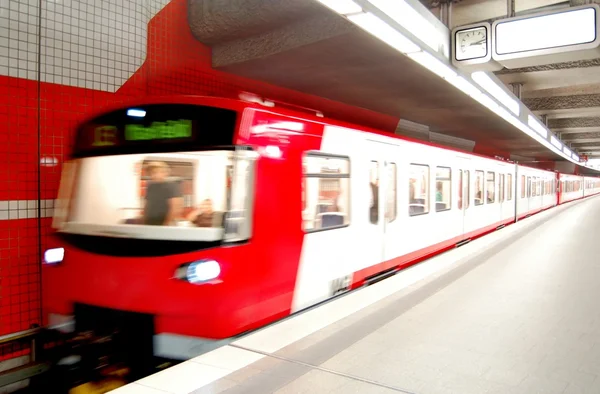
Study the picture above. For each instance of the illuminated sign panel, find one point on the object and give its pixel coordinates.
(548, 31)
(550, 37)
(171, 129)
(156, 128)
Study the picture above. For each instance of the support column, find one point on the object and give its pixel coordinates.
(510, 8)
(446, 13)
(517, 89)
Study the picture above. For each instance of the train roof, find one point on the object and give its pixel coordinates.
(239, 105)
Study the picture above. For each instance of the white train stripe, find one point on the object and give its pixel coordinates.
(25, 209)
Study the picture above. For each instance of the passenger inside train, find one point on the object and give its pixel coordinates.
(173, 191)
(164, 200)
(205, 216)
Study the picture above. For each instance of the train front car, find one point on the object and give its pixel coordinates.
(157, 236)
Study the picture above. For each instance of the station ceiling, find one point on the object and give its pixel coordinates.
(301, 45)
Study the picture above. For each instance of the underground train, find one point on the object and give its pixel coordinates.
(189, 220)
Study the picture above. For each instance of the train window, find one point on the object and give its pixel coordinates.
(460, 187)
(478, 187)
(509, 187)
(467, 189)
(533, 187)
(374, 186)
(501, 190)
(443, 189)
(540, 185)
(418, 189)
(391, 209)
(523, 187)
(327, 191)
(491, 188)
(528, 187)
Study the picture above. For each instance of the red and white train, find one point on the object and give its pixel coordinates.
(303, 208)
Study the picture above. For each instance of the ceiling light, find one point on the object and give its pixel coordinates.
(411, 20)
(343, 7)
(465, 86)
(567, 151)
(431, 63)
(495, 90)
(384, 32)
(555, 142)
(575, 156)
(537, 126)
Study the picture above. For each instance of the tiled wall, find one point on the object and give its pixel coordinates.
(57, 65)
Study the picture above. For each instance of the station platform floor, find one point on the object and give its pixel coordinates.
(516, 311)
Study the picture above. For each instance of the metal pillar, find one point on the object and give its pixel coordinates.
(517, 89)
(510, 8)
(446, 13)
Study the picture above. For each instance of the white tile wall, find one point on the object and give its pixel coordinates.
(25, 209)
(94, 44)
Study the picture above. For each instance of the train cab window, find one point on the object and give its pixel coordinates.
(374, 192)
(443, 189)
(195, 196)
(479, 187)
(491, 188)
(501, 188)
(391, 207)
(509, 187)
(418, 189)
(327, 191)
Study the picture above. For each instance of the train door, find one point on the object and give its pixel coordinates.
(383, 226)
(464, 192)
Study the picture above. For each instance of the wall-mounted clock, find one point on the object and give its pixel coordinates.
(472, 47)
(471, 43)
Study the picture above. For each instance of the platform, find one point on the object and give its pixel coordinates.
(513, 312)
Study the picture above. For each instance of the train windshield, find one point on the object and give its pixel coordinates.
(192, 195)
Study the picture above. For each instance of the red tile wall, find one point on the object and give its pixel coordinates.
(80, 55)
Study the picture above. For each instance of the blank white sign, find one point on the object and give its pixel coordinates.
(547, 31)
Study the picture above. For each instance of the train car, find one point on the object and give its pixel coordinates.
(571, 188)
(536, 191)
(592, 186)
(188, 220)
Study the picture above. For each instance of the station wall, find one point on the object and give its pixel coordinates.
(59, 60)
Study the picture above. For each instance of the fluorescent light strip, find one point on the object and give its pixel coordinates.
(537, 126)
(488, 84)
(411, 20)
(375, 26)
(343, 7)
(465, 86)
(433, 64)
(567, 151)
(384, 32)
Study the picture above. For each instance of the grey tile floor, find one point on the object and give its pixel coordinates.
(523, 318)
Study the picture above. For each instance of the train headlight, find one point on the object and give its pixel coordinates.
(199, 271)
(54, 256)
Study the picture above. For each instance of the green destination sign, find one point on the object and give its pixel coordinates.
(171, 129)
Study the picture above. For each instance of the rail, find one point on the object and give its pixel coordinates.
(33, 367)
